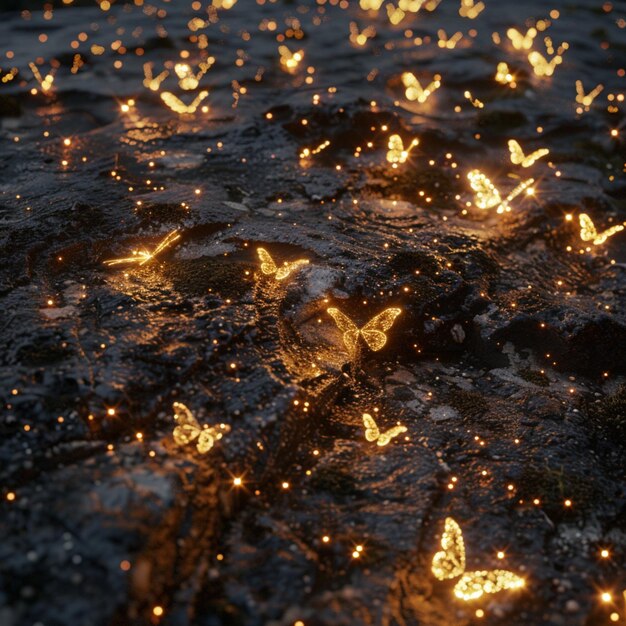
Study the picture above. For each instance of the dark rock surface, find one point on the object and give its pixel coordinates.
(507, 364)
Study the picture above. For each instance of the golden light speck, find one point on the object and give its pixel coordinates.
(237, 481)
(606, 596)
(157, 611)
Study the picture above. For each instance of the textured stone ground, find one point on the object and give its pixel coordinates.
(506, 364)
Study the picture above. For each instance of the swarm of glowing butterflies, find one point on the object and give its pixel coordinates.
(188, 430)
(372, 432)
(449, 563)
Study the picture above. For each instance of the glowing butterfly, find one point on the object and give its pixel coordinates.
(373, 333)
(449, 563)
(142, 257)
(188, 430)
(503, 75)
(395, 14)
(448, 42)
(396, 152)
(269, 268)
(541, 65)
(288, 59)
(178, 106)
(478, 104)
(360, 38)
(519, 41)
(486, 194)
(370, 5)
(588, 230)
(44, 82)
(372, 433)
(586, 99)
(150, 81)
(187, 80)
(519, 158)
(415, 91)
(471, 9)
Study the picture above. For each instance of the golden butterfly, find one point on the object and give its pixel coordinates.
(270, 268)
(178, 106)
(519, 158)
(288, 59)
(150, 81)
(44, 82)
(487, 196)
(396, 152)
(373, 333)
(448, 42)
(541, 65)
(142, 257)
(519, 41)
(471, 9)
(372, 432)
(415, 91)
(503, 75)
(359, 38)
(188, 430)
(586, 99)
(449, 563)
(588, 231)
(187, 80)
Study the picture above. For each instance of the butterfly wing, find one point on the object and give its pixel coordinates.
(449, 562)
(288, 268)
(487, 196)
(374, 331)
(530, 159)
(517, 155)
(472, 585)
(516, 38)
(173, 102)
(371, 428)
(196, 101)
(187, 428)
(395, 153)
(347, 327)
(206, 440)
(609, 232)
(267, 263)
(588, 230)
(388, 435)
(413, 88)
